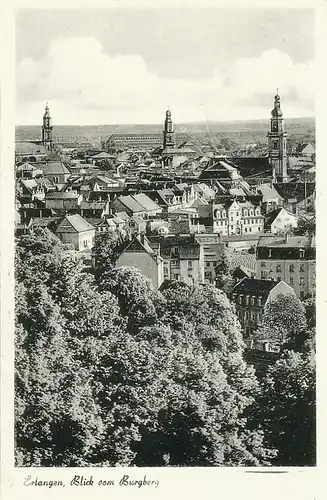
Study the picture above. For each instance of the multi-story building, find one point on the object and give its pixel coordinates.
(183, 256)
(251, 296)
(213, 249)
(291, 259)
(237, 218)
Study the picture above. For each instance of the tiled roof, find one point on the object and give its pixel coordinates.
(53, 168)
(131, 203)
(73, 223)
(62, 195)
(146, 202)
(254, 286)
(295, 190)
(93, 205)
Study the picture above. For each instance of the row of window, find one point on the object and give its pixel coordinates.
(253, 316)
(291, 267)
(246, 213)
(247, 300)
(291, 280)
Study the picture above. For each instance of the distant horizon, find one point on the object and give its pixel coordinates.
(242, 120)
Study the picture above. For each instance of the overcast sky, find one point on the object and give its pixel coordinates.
(126, 66)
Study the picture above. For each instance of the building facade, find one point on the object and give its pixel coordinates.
(291, 259)
(237, 218)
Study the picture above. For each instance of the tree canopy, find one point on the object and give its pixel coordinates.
(110, 371)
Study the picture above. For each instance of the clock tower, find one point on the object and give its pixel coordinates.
(277, 143)
(47, 129)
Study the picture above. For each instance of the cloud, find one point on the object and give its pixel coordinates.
(85, 85)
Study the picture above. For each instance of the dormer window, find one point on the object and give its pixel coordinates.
(224, 213)
(245, 213)
(251, 211)
(269, 252)
(302, 253)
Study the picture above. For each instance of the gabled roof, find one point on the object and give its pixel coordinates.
(93, 205)
(54, 168)
(272, 216)
(73, 224)
(268, 192)
(253, 286)
(131, 203)
(26, 167)
(103, 156)
(146, 202)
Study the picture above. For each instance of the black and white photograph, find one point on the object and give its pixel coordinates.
(165, 238)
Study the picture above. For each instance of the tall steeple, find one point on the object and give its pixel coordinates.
(168, 133)
(47, 129)
(277, 143)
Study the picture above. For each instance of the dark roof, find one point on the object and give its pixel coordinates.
(131, 203)
(93, 205)
(251, 165)
(254, 286)
(259, 357)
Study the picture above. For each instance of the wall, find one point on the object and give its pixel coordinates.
(305, 269)
(145, 263)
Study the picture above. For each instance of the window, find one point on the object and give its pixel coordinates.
(245, 213)
(174, 263)
(279, 278)
(301, 254)
(252, 301)
(259, 228)
(262, 264)
(85, 243)
(263, 275)
(301, 280)
(278, 268)
(207, 275)
(250, 230)
(301, 268)
(247, 300)
(246, 229)
(165, 271)
(259, 301)
(291, 268)
(208, 264)
(240, 299)
(253, 316)
(291, 280)
(176, 276)
(301, 294)
(190, 264)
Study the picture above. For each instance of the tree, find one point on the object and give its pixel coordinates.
(103, 252)
(135, 294)
(284, 322)
(305, 226)
(286, 409)
(222, 269)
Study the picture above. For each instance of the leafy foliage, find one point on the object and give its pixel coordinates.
(284, 322)
(286, 409)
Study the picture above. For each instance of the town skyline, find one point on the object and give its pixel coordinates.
(122, 79)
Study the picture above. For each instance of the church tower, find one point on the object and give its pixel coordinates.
(168, 133)
(277, 143)
(47, 129)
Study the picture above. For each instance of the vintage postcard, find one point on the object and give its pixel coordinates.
(160, 288)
